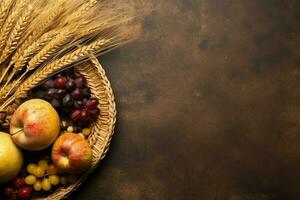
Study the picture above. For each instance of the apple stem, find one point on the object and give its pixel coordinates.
(17, 131)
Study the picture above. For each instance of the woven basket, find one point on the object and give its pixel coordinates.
(102, 129)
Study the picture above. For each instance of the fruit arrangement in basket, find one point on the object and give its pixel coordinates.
(56, 119)
(50, 109)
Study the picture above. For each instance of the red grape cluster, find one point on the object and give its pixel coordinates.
(18, 190)
(69, 94)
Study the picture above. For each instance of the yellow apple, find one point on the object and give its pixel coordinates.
(11, 158)
(71, 153)
(34, 125)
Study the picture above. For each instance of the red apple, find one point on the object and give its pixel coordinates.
(34, 125)
(71, 153)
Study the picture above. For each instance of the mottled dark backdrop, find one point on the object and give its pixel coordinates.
(208, 105)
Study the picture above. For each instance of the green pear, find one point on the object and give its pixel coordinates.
(11, 158)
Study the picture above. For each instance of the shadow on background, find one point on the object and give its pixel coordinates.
(208, 105)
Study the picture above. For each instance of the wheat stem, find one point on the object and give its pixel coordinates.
(3, 74)
(5, 91)
(6, 103)
(15, 83)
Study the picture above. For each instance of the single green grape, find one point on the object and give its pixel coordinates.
(37, 186)
(51, 170)
(39, 172)
(86, 131)
(46, 184)
(31, 168)
(30, 179)
(43, 164)
(54, 179)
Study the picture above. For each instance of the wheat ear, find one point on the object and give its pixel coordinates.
(82, 10)
(57, 65)
(17, 32)
(32, 42)
(10, 22)
(48, 51)
(51, 48)
(4, 9)
(85, 7)
(78, 55)
(38, 30)
(21, 60)
(18, 61)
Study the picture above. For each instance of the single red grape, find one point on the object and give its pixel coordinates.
(25, 192)
(76, 94)
(76, 115)
(67, 100)
(84, 116)
(93, 113)
(80, 81)
(84, 100)
(70, 86)
(86, 92)
(60, 82)
(9, 191)
(92, 103)
(48, 84)
(79, 104)
(19, 182)
(51, 93)
(55, 103)
(60, 93)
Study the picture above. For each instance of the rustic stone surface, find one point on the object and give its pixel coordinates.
(208, 105)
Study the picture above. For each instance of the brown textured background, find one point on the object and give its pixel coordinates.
(208, 105)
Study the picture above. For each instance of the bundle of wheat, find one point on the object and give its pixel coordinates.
(39, 38)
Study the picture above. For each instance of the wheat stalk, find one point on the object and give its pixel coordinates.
(9, 23)
(5, 91)
(17, 32)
